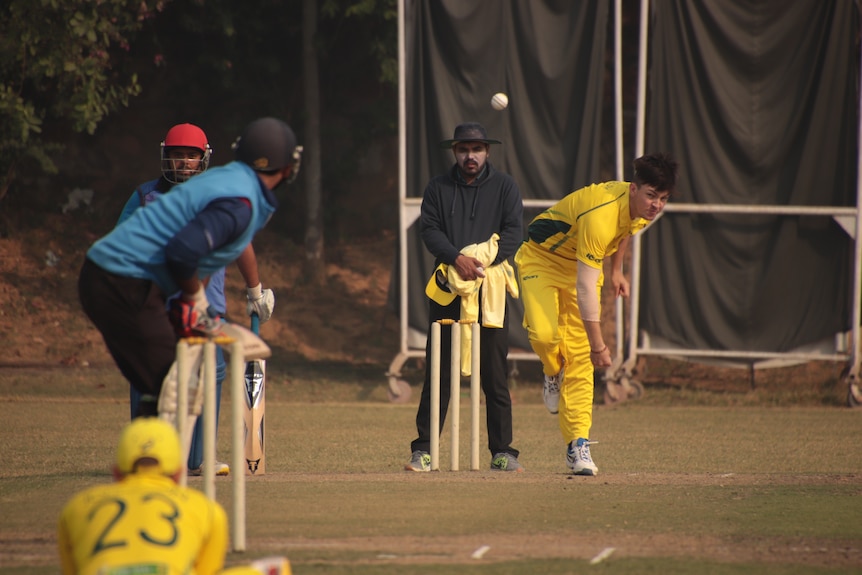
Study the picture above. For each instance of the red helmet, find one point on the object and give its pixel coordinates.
(184, 136)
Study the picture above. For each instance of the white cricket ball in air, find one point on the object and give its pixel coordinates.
(499, 101)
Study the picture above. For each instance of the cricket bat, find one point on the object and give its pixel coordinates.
(255, 402)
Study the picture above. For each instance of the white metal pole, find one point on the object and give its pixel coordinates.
(618, 137)
(643, 46)
(857, 258)
(639, 150)
(618, 86)
(402, 174)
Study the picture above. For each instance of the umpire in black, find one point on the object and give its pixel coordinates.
(467, 205)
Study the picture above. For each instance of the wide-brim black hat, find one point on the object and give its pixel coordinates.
(469, 132)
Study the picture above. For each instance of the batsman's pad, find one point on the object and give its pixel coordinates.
(187, 435)
(192, 376)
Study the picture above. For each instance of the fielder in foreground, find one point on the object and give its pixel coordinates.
(145, 522)
(560, 270)
(172, 246)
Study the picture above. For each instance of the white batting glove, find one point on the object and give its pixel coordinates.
(260, 301)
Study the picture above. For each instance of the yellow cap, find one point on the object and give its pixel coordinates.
(149, 437)
(437, 288)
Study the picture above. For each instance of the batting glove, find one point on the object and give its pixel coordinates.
(260, 301)
(188, 314)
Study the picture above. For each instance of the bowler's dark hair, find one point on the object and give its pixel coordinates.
(656, 170)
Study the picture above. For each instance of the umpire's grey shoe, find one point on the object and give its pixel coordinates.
(506, 462)
(419, 461)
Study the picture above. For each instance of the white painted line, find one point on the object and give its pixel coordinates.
(606, 552)
(480, 552)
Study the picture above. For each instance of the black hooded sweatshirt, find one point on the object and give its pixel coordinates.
(456, 214)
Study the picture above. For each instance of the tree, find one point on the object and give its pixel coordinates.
(61, 65)
(385, 52)
(315, 261)
(382, 44)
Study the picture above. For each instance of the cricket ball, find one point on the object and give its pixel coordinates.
(499, 101)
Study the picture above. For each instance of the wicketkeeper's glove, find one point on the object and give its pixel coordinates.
(260, 301)
(189, 315)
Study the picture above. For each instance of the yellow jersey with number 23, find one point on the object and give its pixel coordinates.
(144, 524)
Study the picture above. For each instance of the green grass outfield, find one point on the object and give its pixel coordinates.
(722, 490)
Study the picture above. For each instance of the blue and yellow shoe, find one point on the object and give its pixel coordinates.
(579, 459)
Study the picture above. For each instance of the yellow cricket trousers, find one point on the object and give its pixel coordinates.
(553, 323)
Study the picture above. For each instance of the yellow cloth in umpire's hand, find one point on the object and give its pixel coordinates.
(498, 280)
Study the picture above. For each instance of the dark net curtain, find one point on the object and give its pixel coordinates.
(548, 56)
(757, 99)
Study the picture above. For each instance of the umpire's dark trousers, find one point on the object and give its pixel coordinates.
(494, 375)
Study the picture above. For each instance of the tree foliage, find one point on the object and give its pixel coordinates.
(380, 17)
(60, 64)
(68, 65)
(234, 60)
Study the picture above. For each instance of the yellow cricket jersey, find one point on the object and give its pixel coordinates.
(144, 524)
(588, 224)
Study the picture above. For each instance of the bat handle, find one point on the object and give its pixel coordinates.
(255, 324)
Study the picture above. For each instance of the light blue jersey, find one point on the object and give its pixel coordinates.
(135, 248)
(148, 193)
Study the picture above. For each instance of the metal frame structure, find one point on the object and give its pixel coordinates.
(409, 207)
(619, 378)
(622, 383)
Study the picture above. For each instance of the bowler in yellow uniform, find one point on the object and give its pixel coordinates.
(144, 523)
(561, 275)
